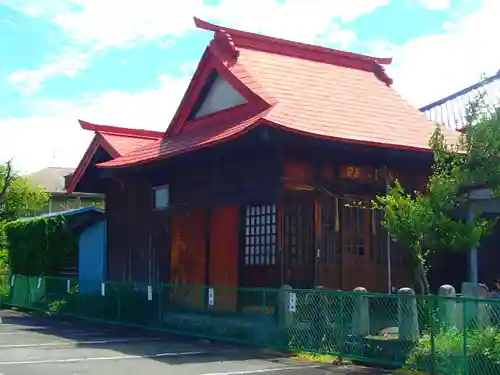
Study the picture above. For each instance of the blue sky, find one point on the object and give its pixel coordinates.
(128, 62)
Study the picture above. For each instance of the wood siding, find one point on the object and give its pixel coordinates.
(188, 257)
(129, 237)
(223, 256)
(201, 238)
(331, 235)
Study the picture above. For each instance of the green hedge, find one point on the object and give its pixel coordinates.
(40, 246)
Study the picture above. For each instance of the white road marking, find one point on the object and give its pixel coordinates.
(53, 333)
(76, 342)
(114, 358)
(264, 370)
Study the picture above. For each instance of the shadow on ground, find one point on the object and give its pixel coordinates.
(32, 329)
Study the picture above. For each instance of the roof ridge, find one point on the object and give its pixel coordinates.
(120, 131)
(231, 39)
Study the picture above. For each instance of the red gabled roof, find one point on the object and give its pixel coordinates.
(301, 88)
(122, 140)
(115, 141)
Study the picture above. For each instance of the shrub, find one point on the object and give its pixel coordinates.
(449, 357)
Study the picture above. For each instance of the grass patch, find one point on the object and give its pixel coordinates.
(305, 356)
(4, 287)
(4, 284)
(314, 357)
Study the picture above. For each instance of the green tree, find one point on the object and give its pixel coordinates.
(17, 198)
(423, 223)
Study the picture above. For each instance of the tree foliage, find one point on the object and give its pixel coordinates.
(18, 195)
(426, 222)
(17, 198)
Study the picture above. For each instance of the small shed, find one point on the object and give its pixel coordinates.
(90, 224)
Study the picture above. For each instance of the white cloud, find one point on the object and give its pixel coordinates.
(298, 20)
(435, 4)
(337, 37)
(431, 67)
(54, 138)
(424, 69)
(94, 25)
(69, 63)
(117, 23)
(189, 67)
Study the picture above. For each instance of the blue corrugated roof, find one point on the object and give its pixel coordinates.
(452, 109)
(76, 211)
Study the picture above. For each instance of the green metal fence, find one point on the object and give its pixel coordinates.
(449, 336)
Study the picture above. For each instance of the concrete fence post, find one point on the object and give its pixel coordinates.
(408, 315)
(361, 313)
(447, 306)
(286, 310)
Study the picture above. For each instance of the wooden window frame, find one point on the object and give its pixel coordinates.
(355, 246)
(260, 235)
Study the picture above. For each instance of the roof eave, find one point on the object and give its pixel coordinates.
(98, 142)
(116, 130)
(181, 151)
(349, 140)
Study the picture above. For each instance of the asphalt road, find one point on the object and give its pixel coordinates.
(33, 345)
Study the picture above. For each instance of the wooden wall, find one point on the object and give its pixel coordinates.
(223, 255)
(129, 236)
(188, 256)
(196, 240)
(331, 202)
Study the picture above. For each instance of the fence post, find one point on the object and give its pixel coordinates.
(118, 302)
(434, 305)
(361, 313)
(204, 299)
(342, 352)
(319, 317)
(447, 306)
(408, 315)
(465, 319)
(475, 311)
(286, 316)
(160, 304)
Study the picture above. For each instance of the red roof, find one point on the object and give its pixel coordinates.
(115, 141)
(301, 88)
(187, 141)
(122, 140)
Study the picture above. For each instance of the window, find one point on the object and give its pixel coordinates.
(260, 235)
(354, 226)
(72, 203)
(161, 196)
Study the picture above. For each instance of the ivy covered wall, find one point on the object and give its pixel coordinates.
(4, 254)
